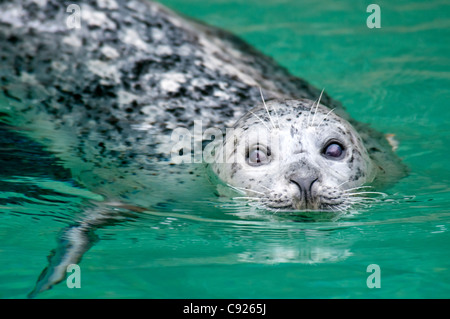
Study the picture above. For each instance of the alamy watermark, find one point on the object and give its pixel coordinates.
(73, 21)
(374, 19)
(74, 279)
(212, 145)
(374, 279)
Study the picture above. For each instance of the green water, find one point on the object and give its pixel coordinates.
(397, 78)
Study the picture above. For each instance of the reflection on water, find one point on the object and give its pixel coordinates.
(281, 254)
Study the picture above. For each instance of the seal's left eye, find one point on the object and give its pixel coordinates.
(334, 150)
(258, 156)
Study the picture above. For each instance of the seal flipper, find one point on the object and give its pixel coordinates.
(74, 242)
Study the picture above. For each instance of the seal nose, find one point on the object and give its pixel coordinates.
(304, 183)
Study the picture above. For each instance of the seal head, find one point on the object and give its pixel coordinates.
(294, 155)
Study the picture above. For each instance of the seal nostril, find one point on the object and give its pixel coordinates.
(304, 183)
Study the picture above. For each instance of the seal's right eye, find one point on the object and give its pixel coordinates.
(258, 156)
(334, 150)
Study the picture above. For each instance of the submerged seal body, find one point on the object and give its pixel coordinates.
(105, 96)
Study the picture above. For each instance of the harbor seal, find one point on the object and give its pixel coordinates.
(106, 95)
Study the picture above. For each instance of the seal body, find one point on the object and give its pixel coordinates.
(106, 97)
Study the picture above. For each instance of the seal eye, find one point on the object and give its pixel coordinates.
(258, 156)
(334, 150)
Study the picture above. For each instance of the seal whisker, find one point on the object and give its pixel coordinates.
(342, 184)
(326, 117)
(358, 206)
(361, 199)
(340, 209)
(377, 193)
(323, 120)
(236, 188)
(356, 198)
(264, 102)
(261, 121)
(273, 108)
(317, 107)
(309, 115)
(359, 187)
(246, 189)
(270, 190)
(332, 208)
(247, 197)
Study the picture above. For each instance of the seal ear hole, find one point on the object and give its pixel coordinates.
(334, 150)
